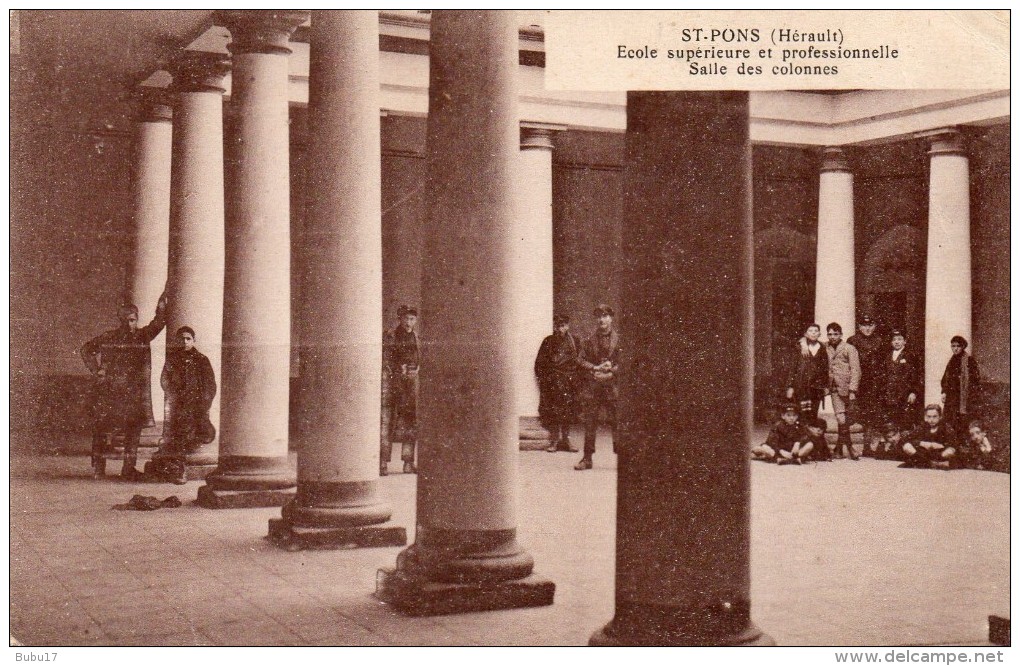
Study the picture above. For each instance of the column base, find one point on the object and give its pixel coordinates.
(213, 498)
(418, 597)
(998, 630)
(751, 637)
(292, 538)
(532, 436)
(253, 473)
(193, 472)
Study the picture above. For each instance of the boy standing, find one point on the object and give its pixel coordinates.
(844, 379)
(600, 363)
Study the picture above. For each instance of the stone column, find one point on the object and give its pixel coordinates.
(337, 501)
(834, 272)
(534, 253)
(466, 556)
(195, 279)
(683, 489)
(253, 465)
(152, 224)
(947, 310)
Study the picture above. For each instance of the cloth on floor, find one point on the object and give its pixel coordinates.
(148, 503)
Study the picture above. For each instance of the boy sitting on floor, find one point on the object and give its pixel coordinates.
(977, 451)
(785, 443)
(813, 442)
(889, 446)
(932, 444)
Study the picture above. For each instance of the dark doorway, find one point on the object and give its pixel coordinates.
(891, 311)
(791, 298)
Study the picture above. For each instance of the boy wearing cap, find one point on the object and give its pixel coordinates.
(600, 363)
(400, 363)
(555, 369)
(786, 442)
(121, 362)
(869, 347)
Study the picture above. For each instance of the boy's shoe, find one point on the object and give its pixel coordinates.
(552, 448)
(409, 468)
(131, 474)
(565, 445)
(584, 464)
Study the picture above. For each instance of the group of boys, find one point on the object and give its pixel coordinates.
(932, 444)
(869, 384)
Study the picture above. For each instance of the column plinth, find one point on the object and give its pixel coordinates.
(948, 298)
(338, 408)
(683, 527)
(466, 555)
(152, 223)
(256, 305)
(534, 273)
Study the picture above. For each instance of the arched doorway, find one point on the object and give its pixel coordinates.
(892, 282)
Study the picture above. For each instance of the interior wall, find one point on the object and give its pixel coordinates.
(588, 182)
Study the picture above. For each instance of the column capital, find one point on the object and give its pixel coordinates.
(199, 71)
(260, 31)
(834, 160)
(945, 141)
(538, 136)
(155, 105)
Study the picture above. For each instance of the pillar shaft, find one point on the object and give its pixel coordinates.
(534, 272)
(341, 332)
(195, 282)
(683, 490)
(948, 304)
(468, 411)
(834, 269)
(256, 313)
(152, 223)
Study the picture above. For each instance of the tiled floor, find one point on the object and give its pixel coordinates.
(843, 553)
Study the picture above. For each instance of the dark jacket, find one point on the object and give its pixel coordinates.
(556, 368)
(902, 377)
(558, 355)
(123, 399)
(869, 349)
(783, 436)
(961, 391)
(942, 434)
(190, 385)
(401, 353)
(597, 349)
(810, 373)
